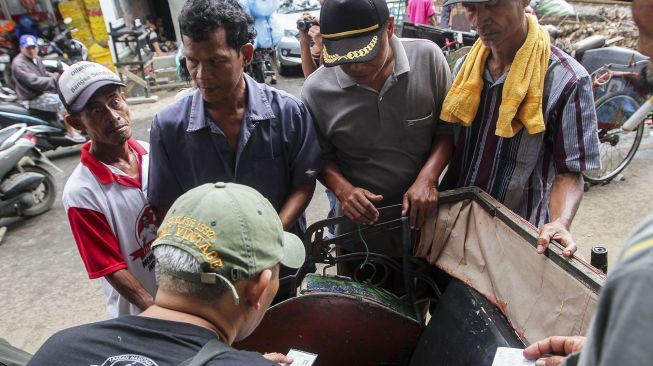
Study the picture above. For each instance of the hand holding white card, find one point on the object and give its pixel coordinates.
(301, 358)
(510, 357)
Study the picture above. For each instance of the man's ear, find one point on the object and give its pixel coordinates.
(391, 26)
(256, 288)
(247, 51)
(75, 122)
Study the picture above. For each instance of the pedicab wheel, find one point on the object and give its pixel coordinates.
(616, 146)
(44, 194)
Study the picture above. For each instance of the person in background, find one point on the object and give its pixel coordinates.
(421, 12)
(445, 16)
(153, 38)
(310, 44)
(36, 85)
(620, 333)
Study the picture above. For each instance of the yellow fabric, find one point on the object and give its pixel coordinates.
(521, 104)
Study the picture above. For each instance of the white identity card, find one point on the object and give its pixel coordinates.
(510, 357)
(301, 358)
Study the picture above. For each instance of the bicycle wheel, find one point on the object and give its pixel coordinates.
(616, 146)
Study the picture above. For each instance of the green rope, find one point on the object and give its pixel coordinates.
(367, 255)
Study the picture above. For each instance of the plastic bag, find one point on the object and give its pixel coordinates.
(263, 8)
(268, 32)
(555, 8)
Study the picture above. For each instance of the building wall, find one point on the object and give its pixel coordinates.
(175, 9)
(134, 10)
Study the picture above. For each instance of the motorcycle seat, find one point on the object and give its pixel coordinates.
(589, 43)
(18, 108)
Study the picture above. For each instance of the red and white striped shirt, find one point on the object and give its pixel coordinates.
(112, 223)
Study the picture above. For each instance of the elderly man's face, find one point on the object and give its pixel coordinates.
(643, 16)
(496, 20)
(105, 117)
(31, 52)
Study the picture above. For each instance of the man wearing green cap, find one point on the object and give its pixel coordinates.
(218, 253)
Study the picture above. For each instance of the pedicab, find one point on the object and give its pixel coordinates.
(474, 267)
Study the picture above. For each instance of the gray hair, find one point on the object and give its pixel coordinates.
(179, 260)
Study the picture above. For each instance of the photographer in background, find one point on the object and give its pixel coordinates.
(310, 42)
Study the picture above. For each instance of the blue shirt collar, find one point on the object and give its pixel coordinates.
(258, 106)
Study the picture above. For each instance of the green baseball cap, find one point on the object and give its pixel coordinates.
(231, 230)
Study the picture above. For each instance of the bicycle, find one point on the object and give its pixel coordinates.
(622, 108)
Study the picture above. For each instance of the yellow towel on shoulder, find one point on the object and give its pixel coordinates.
(521, 103)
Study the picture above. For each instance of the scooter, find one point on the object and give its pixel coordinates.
(7, 54)
(47, 128)
(261, 65)
(59, 44)
(27, 189)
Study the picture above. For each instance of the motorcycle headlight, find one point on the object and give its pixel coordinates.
(291, 33)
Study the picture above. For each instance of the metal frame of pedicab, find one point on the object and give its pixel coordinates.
(318, 248)
(319, 251)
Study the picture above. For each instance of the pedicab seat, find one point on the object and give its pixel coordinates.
(342, 321)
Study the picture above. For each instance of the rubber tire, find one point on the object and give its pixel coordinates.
(8, 79)
(50, 193)
(257, 72)
(633, 149)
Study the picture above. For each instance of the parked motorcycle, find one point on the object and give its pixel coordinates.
(7, 54)
(58, 43)
(27, 189)
(47, 128)
(261, 65)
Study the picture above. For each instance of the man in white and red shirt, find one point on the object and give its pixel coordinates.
(104, 197)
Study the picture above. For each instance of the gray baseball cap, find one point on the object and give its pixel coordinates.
(80, 81)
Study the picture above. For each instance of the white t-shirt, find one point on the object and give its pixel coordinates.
(112, 223)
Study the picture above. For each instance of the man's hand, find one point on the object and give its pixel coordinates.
(279, 358)
(422, 199)
(304, 39)
(314, 33)
(556, 231)
(553, 350)
(357, 204)
(566, 194)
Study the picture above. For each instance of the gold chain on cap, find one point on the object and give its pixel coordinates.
(351, 55)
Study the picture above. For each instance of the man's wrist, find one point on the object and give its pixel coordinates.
(565, 223)
(426, 180)
(341, 191)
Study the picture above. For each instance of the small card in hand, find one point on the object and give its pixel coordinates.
(301, 358)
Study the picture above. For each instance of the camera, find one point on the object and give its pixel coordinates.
(303, 25)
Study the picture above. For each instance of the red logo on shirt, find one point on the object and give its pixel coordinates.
(146, 227)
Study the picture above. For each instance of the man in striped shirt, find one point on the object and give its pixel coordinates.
(538, 175)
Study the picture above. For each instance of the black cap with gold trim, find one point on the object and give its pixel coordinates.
(352, 30)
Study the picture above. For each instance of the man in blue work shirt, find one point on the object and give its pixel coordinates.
(231, 128)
